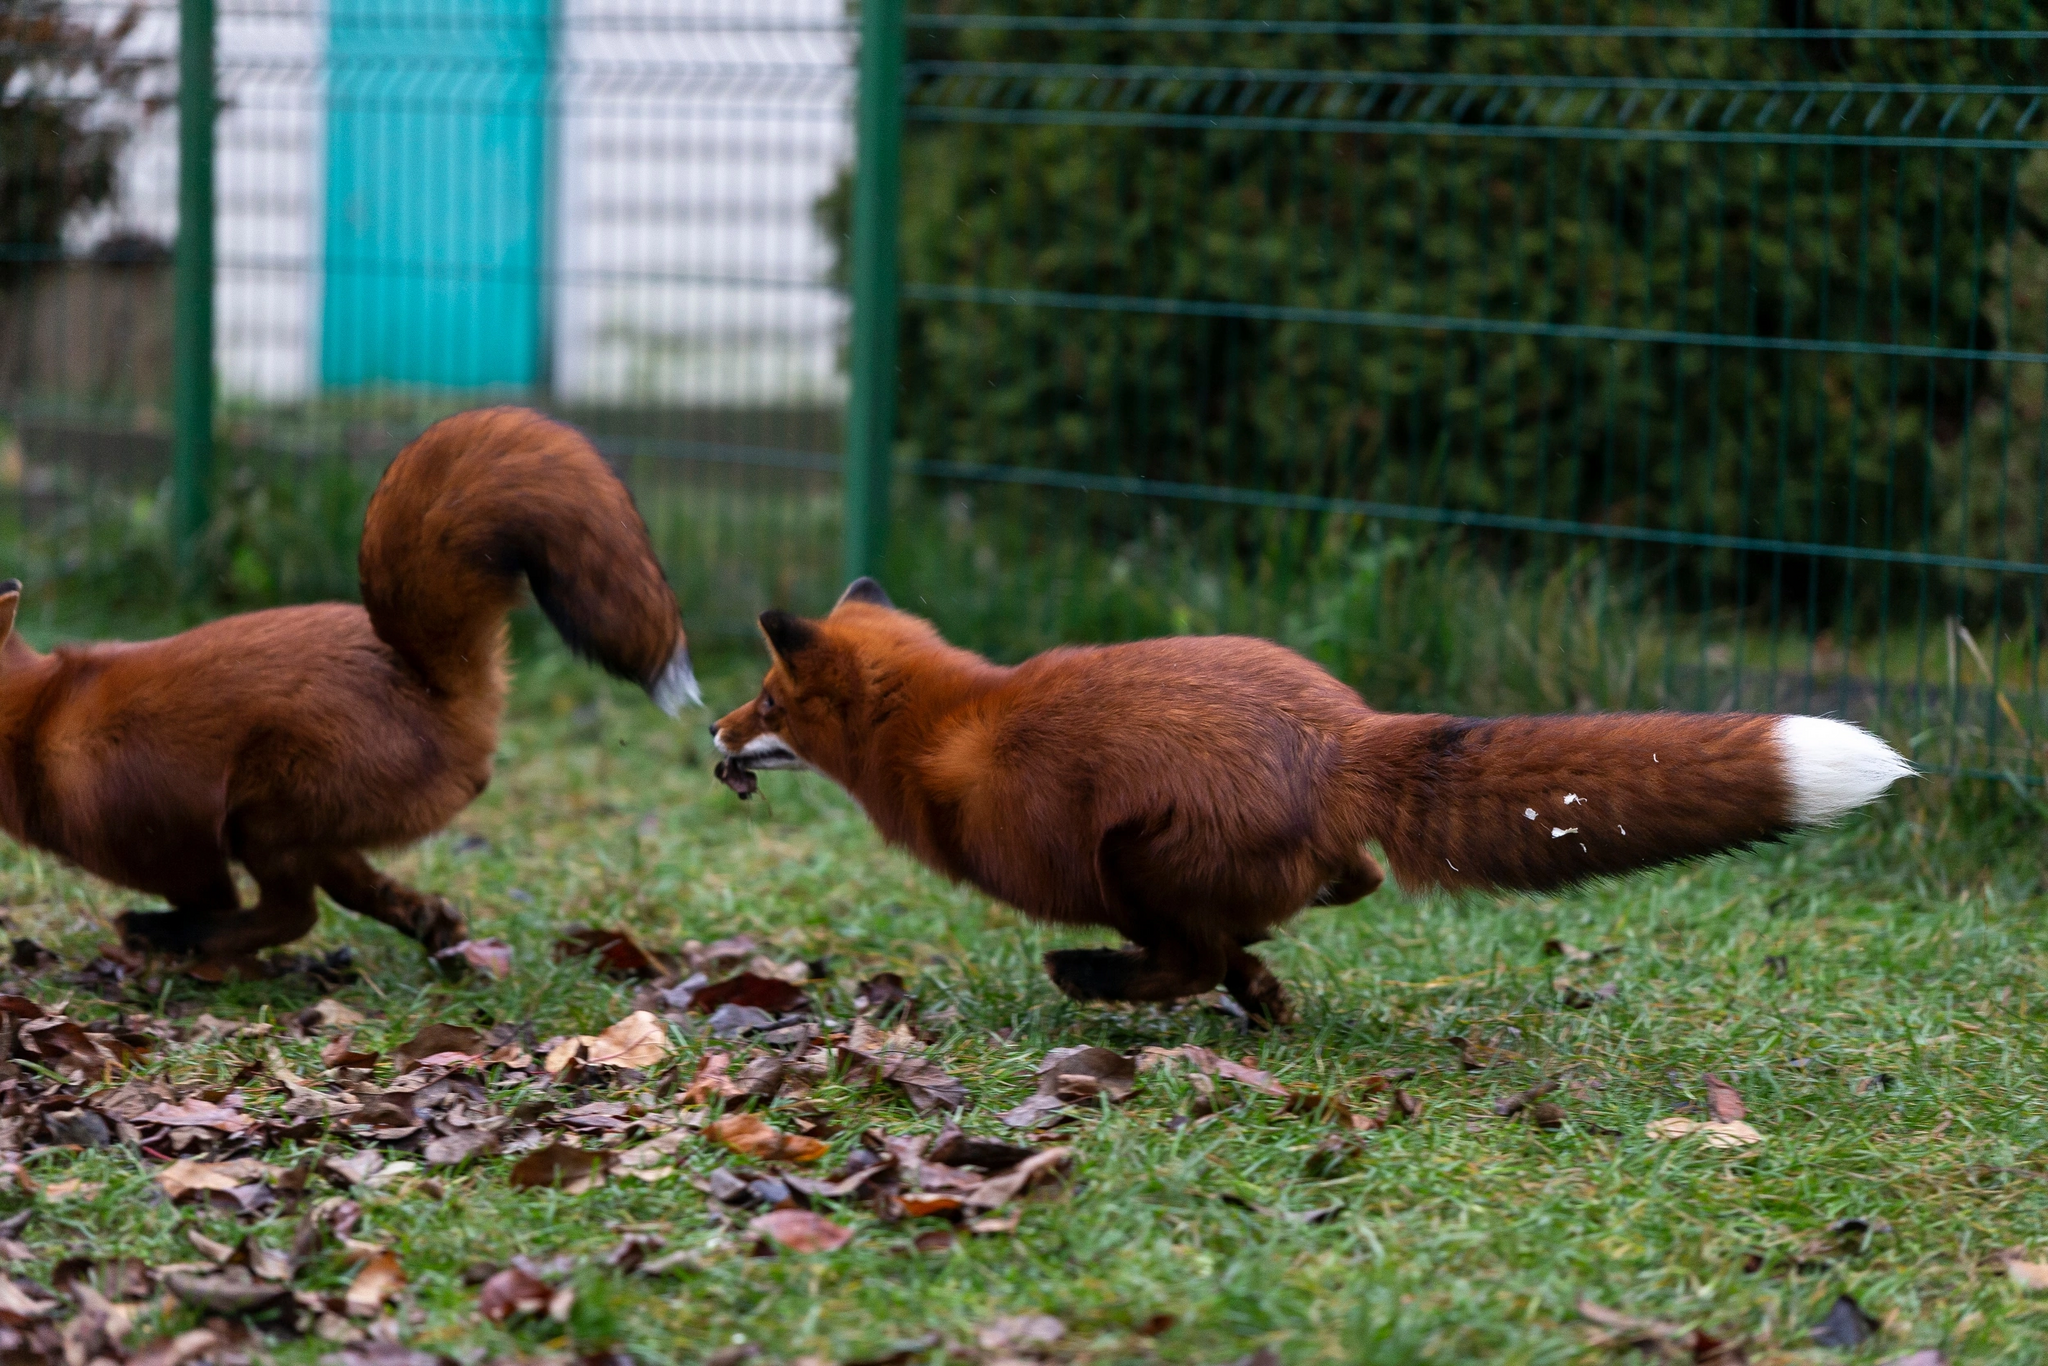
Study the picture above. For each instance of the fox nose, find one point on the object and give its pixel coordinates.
(714, 730)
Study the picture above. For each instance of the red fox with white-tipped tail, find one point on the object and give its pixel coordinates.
(1193, 793)
(291, 740)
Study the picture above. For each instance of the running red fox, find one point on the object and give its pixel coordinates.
(1193, 793)
(291, 740)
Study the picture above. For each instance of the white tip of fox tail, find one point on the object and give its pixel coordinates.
(1833, 767)
(677, 686)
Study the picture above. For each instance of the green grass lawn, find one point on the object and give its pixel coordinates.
(1875, 993)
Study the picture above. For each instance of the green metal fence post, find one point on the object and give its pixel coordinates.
(192, 345)
(871, 361)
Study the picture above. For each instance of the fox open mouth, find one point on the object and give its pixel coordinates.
(736, 770)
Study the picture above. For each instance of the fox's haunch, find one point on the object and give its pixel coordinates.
(484, 498)
(1539, 802)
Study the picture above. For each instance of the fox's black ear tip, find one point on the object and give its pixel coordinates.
(786, 632)
(9, 586)
(865, 589)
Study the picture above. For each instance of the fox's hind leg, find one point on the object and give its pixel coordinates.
(284, 911)
(432, 920)
(1164, 971)
(198, 904)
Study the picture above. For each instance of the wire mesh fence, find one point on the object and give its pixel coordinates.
(603, 208)
(1682, 355)
(1563, 355)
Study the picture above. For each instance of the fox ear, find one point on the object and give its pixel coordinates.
(787, 635)
(864, 589)
(10, 599)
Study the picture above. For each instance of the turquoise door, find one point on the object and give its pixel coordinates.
(436, 151)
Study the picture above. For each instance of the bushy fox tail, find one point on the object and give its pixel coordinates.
(1538, 802)
(484, 498)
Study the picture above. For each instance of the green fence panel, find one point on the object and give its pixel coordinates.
(1563, 355)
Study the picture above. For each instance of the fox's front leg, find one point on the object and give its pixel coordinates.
(198, 905)
(433, 920)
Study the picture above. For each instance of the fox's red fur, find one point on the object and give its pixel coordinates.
(1193, 793)
(291, 740)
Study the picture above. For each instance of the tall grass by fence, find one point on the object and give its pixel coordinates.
(1594, 354)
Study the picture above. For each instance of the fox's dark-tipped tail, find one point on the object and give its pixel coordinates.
(485, 498)
(1538, 802)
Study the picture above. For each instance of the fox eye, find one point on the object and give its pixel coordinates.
(767, 703)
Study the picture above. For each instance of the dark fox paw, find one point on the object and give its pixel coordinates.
(1252, 985)
(437, 924)
(1089, 974)
(172, 932)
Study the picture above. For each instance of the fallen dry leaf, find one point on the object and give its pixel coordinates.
(616, 953)
(491, 957)
(1714, 1133)
(1085, 1072)
(377, 1282)
(639, 1041)
(799, 1230)
(1214, 1065)
(513, 1291)
(437, 1041)
(185, 1177)
(1041, 1169)
(229, 1291)
(751, 1136)
(572, 1169)
(1724, 1102)
(1020, 1330)
(882, 996)
(754, 991)
(2027, 1275)
(1846, 1325)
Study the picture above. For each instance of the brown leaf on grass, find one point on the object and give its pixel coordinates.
(1402, 1107)
(342, 1052)
(1048, 1168)
(2029, 1276)
(897, 1057)
(1477, 1056)
(917, 1205)
(439, 1042)
(18, 1306)
(753, 990)
(1510, 1106)
(1845, 1325)
(1724, 1102)
(1086, 1072)
(957, 1149)
(231, 1291)
(185, 1178)
(1734, 1133)
(711, 1079)
(490, 957)
(513, 1291)
(751, 1136)
(799, 1230)
(352, 1170)
(640, 1041)
(379, 1279)
(1035, 1112)
(616, 953)
(195, 1113)
(573, 1169)
(1215, 1065)
(1020, 1330)
(882, 996)
(325, 1014)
